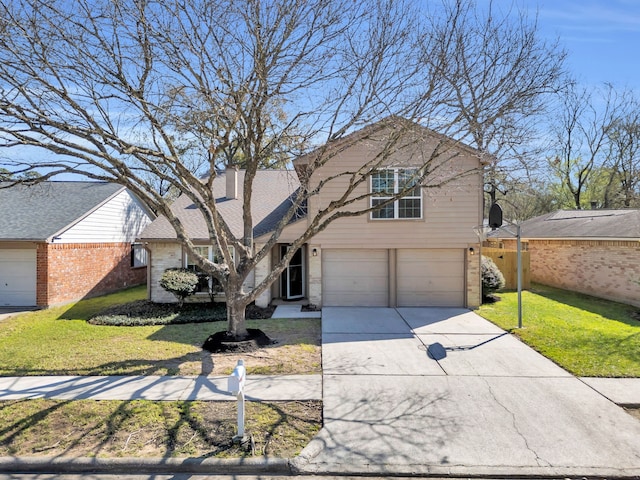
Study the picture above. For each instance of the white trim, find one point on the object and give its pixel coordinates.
(286, 273)
(396, 202)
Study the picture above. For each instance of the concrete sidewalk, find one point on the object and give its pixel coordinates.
(210, 388)
(443, 392)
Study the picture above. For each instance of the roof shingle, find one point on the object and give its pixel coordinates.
(618, 224)
(39, 211)
(272, 195)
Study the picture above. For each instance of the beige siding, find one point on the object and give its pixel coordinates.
(452, 203)
(426, 259)
(355, 278)
(433, 278)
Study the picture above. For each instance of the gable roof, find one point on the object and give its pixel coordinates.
(390, 123)
(272, 194)
(41, 211)
(583, 224)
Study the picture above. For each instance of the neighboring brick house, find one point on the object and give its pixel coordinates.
(596, 252)
(418, 251)
(63, 241)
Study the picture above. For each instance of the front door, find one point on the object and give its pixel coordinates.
(292, 278)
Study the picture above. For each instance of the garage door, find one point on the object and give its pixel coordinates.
(430, 278)
(355, 278)
(17, 278)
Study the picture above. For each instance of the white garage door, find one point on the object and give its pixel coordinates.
(430, 278)
(17, 278)
(355, 278)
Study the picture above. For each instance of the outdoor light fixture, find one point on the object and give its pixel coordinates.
(471, 251)
(314, 252)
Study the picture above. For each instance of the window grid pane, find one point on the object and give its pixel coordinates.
(406, 178)
(384, 212)
(382, 182)
(409, 208)
(389, 181)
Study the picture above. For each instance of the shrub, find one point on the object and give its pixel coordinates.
(144, 313)
(180, 282)
(492, 278)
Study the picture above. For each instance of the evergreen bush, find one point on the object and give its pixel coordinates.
(492, 278)
(180, 282)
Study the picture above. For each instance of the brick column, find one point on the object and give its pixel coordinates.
(473, 276)
(314, 275)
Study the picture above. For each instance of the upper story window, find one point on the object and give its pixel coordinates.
(206, 283)
(388, 182)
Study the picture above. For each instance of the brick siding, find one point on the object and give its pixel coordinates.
(71, 271)
(605, 269)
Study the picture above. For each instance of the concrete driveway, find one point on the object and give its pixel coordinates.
(479, 403)
(6, 312)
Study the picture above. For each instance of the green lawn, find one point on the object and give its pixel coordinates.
(59, 341)
(585, 335)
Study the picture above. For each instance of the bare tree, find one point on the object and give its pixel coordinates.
(500, 73)
(624, 141)
(145, 91)
(582, 132)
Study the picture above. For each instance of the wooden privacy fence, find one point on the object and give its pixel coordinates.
(507, 262)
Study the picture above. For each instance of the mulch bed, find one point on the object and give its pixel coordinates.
(223, 342)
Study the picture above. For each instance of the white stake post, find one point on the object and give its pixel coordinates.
(235, 385)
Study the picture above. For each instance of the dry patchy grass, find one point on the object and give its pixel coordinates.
(142, 428)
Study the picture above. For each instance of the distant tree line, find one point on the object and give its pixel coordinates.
(591, 155)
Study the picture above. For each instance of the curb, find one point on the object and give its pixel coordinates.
(280, 466)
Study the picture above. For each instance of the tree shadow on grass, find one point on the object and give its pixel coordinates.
(615, 311)
(129, 367)
(159, 429)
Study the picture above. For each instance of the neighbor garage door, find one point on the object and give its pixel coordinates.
(355, 278)
(17, 278)
(430, 278)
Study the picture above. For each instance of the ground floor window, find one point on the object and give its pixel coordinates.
(206, 283)
(138, 255)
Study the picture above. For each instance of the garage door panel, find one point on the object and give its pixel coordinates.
(433, 277)
(17, 277)
(353, 277)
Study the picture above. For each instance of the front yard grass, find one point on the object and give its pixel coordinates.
(585, 335)
(60, 341)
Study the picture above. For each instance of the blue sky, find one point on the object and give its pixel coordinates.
(602, 37)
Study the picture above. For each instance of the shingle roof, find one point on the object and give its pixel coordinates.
(272, 195)
(619, 224)
(39, 211)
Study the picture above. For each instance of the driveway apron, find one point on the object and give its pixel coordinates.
(441, 391)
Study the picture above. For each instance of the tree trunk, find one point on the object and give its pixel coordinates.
(236, 325)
